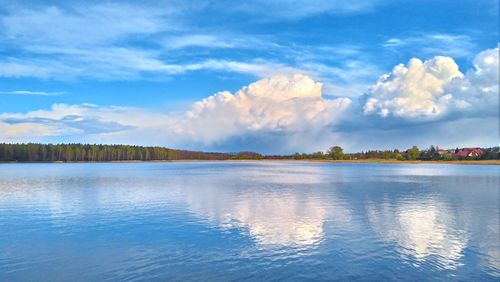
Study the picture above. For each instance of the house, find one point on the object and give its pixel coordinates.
(469, 153)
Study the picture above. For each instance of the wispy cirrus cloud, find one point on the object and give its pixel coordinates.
(123, 64)
(34, 93)
(64, 120)
(299, 9)
(433, 44)
(82, 25)
(125, 41)
(220, 41)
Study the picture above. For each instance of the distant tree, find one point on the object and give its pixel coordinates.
(336, 153)
(68, 154)
(398, 156)
(433, 153)
(491, 154)
(317, 155)
(8, 153)
(78, 153)
(447, 156)
(413, 153)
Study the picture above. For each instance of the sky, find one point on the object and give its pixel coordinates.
(278, 76)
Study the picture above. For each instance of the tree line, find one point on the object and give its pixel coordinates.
(414, 153)
(33, 152)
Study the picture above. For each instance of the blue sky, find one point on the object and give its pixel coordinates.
(141, 73)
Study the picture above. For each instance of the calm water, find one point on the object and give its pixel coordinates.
(248, 221)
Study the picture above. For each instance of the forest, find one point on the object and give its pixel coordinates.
(33, 152)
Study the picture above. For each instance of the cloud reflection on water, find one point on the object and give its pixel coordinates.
(290, 212)
(426, 216)
(421, 229)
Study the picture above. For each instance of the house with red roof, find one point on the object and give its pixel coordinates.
(469, 153)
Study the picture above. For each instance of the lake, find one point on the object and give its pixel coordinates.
(258, 221)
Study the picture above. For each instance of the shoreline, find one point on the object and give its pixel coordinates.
(464, 162)
(456, 162)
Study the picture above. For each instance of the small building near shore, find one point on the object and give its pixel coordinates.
(470, 153)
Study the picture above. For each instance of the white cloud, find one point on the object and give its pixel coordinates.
(288, 106)
(66, 120)
(414, 90)
(477, 92)
(14, 132)
(436, 88)
(277, 104)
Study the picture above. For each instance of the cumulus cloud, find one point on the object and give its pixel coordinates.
(286, 109)
(413, 90)
(278, 104)
(477, 92)
(435, 89)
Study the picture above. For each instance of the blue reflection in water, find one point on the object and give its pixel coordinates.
(248, 221)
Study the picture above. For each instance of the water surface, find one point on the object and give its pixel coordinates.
(249, 221)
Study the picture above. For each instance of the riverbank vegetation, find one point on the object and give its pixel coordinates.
(34, 152)
(433, 153)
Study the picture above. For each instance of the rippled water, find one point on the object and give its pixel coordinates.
(249, 221)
